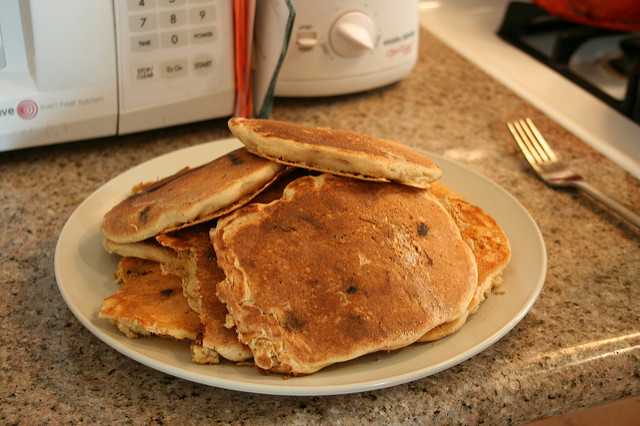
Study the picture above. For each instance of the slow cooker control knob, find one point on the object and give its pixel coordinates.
(352, 35)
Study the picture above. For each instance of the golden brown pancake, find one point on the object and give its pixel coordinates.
(196, 261)
(148, 249)
(149, 302)
(203, 355)
(339, 268)
(490, 247)
(190, 196)
(217, 333)
(335, 151)
(201, 275)
(274, 191)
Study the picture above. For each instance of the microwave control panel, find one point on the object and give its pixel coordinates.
(174, 53)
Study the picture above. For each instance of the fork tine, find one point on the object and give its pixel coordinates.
(523, 142)
(533, 140)
(541, 140)
(523, 147)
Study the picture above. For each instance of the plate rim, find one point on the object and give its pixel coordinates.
(289, 388)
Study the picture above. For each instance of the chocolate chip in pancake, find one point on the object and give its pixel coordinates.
(339, 268)
(190, 196)
(489, 244)
(149, 302)
(335, 151)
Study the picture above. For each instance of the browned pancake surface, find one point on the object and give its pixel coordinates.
(201, 274)
(482, 233)
(196, 261)
(340, 268)
(335, 151)
(148, 249)
(190, 196)
(149, 302)
(489, 244)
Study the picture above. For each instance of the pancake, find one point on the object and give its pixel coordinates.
(217, 333)
(444, 330)
(274, 191)
(196, 261)
(335, 151)
(200, 276)
(490, 247)
(190, 196)
(149, 302)
(339, 268)
(203, 355)
(148, 249)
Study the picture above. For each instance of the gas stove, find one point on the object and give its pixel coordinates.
(585, 88)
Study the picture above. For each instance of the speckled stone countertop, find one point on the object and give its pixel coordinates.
(578, 346)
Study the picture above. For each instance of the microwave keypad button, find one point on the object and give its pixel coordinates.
(140, 5)
(173, 18)
(174, 39)
(140, 23)
(173, 69)
(204, 35)
(203, 64)
(144, 73)
(202, 15)
(144, 43)
(171, 3)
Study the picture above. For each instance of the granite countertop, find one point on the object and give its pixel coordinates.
(578, 346)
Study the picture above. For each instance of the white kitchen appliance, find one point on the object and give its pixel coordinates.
(77, 69)
(74, 69)
(471, 27)
(346, 46)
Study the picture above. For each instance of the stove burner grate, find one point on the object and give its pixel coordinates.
(524, 20)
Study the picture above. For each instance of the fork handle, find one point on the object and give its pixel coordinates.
(616, 206)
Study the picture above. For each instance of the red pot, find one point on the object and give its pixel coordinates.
(620, 15)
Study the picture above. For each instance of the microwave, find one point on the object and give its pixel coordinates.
(78, 69)
(72, 69)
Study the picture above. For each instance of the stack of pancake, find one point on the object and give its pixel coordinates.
(306, 247)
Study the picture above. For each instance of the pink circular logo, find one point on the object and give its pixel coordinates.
(27, 109)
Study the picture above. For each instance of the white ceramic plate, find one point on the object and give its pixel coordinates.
(84, 272)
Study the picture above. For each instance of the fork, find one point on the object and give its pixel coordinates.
(554, 172)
